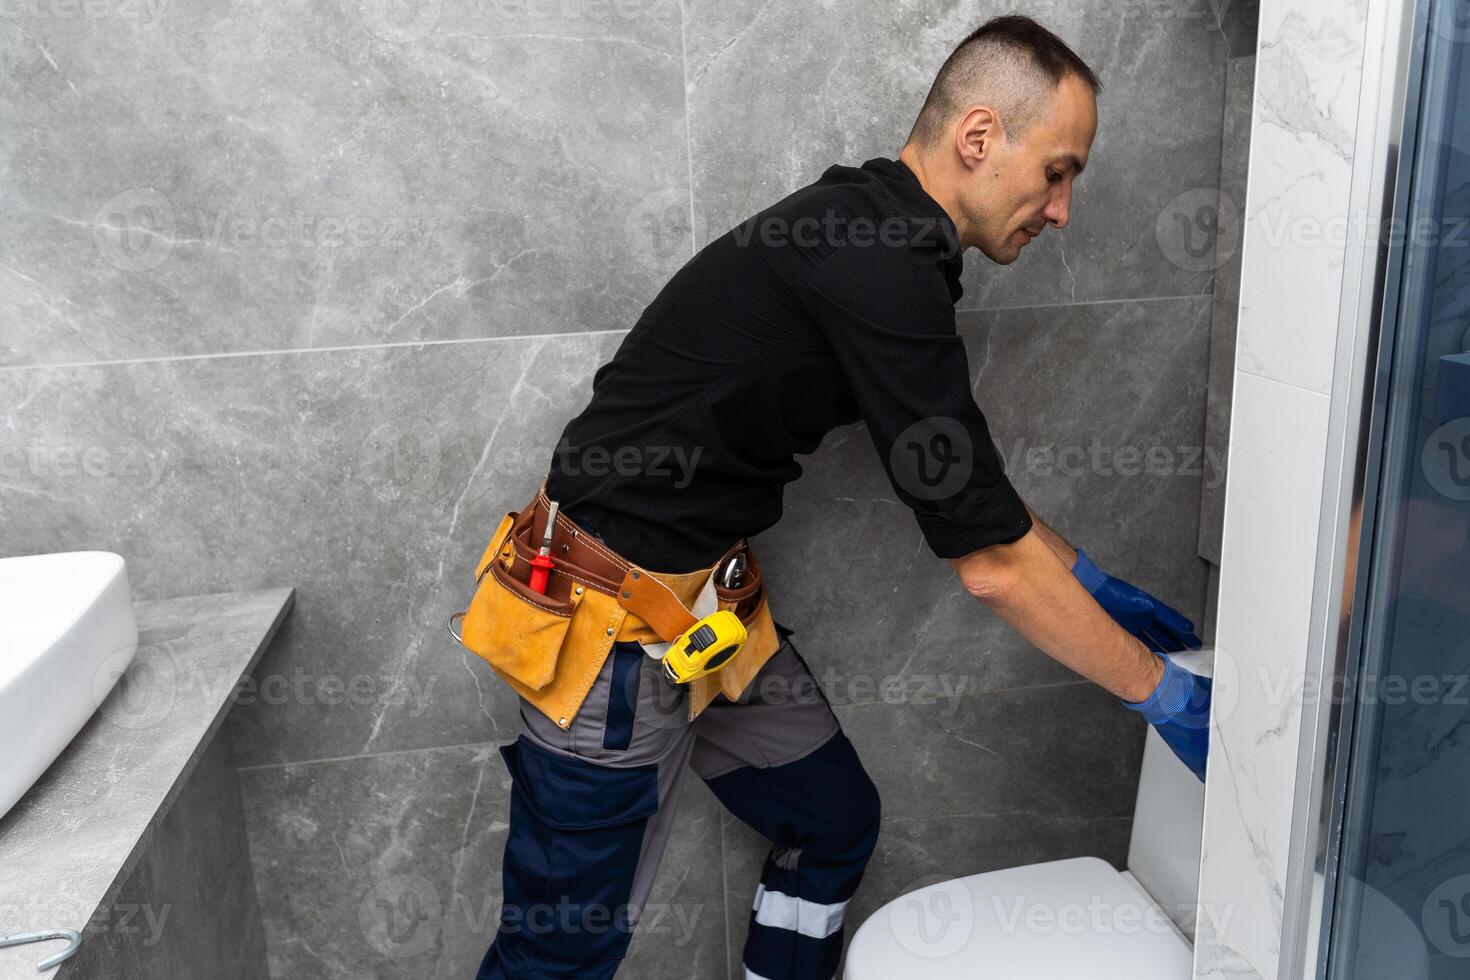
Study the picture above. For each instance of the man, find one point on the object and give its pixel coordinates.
(834, 305)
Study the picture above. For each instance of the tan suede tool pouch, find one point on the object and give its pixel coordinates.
(548, 648)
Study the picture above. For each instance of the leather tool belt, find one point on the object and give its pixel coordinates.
(550, 648)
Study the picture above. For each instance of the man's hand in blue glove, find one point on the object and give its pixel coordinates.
(1161, 627)
(1180, 709)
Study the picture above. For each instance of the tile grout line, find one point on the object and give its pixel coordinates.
(463, 745)
(694, 250)
(362, 755)
(925, 818)
(725, 889)
(558, 335)
(1214, 312)
(966, 694)
(688, 130)
(309, 350)
(1080, 302)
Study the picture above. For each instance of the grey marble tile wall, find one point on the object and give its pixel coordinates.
(216, 176)
(846, 85)
(303, 297)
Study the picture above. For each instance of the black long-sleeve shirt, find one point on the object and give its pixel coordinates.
(833, 305)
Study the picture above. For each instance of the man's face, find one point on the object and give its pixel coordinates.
(1024, 185)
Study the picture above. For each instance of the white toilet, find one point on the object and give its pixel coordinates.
(1073, 918)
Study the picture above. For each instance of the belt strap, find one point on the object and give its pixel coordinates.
(655, 603)
(637, 590)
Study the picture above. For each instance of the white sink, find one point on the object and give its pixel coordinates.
(66, 634)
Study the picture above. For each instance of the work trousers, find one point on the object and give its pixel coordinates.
(592, 807)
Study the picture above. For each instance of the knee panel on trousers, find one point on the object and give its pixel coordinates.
(824, 804)
(822, 813)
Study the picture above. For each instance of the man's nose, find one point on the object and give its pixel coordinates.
(1058, 209)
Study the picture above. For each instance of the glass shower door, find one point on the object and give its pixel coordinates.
(1401, 907)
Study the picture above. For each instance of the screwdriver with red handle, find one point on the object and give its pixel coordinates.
(542, 564)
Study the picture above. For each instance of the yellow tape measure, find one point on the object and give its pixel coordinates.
(704, 647)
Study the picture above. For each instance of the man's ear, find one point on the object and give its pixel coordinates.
(977, 134)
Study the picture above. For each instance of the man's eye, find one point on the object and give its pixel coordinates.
(1052, 176)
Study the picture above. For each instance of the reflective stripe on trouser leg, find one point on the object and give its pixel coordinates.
(822, 811)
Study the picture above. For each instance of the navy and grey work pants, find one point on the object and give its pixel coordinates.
(592, 807)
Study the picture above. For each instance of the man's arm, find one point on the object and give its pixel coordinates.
(1162, 628)
(1065, 552)
(1028, 585)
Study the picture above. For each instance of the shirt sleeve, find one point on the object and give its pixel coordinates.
(887, 314)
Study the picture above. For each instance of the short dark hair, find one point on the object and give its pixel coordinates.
(1011, 62)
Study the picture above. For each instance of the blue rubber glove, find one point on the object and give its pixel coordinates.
(1161, 627)
(1180, 709)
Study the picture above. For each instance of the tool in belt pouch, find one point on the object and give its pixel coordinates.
(550, 648)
